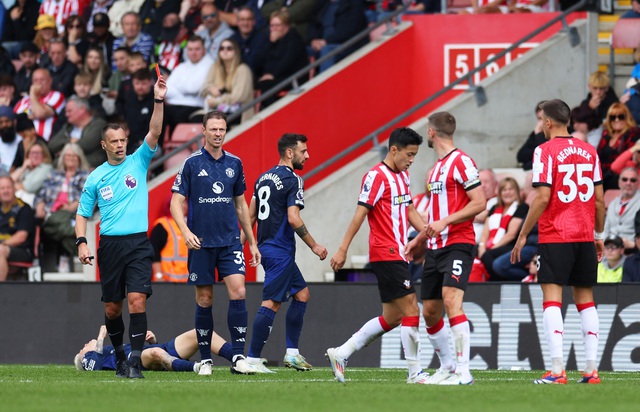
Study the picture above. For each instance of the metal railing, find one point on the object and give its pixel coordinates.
(292, 80)
(480, 95)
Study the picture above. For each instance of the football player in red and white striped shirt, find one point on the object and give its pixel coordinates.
(569, 210)
(456, 198)
(43, 105)
(385, 199)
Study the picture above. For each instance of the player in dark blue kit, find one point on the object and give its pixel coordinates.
(213, 182)
(119, 188)
(276, 203)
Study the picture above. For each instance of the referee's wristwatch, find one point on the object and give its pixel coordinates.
(81, 240)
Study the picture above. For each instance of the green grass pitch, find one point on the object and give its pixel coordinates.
(62, 388)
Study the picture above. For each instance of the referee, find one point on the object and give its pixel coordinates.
(119, 187)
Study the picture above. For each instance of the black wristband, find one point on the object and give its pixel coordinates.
(158, 100)
(81, 240)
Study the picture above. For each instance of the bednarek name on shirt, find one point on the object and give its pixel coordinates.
(568, 151)
(218, 199)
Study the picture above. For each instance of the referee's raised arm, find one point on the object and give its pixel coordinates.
(155, 125)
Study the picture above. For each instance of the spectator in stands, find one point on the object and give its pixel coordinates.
(62, 71)
(43, 105)
(8, 96)
(634, 13)
(227, 10)
(520, 271)
(152, 14)
(214, 30)
(17, 228)
(83, 128)
(631, 94)
(137, 107)
(135, 62)
(173, 39)
(501, 226)
(45, 31)
(29, 54)
(117, 11)
(253, 41)
(301, 12)
(185, 86)
(56, 202)
(587, 122)
(82, 88)
(535, 139)
(121, 62)
(628, 158)
(490, 188)
(27, 131)
(631, 267)
(336, 22)
(60, 10)
(285, 55)
(30, 176)
(96, 67)
(19, 26)
(170, 250)
(190, 14)
(94, 8)
(133, 38)
(619, 135)
(75, 38)
(622, 210)
(101, 37)
(424, 7)
(601, 95)
(9, 140)
(229, 83)
(610, 268)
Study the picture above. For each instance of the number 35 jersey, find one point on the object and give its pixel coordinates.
(571, 169)
(275, 191)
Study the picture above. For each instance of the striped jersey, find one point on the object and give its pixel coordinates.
(275, 191)
(53, 99)
(571, 168)
(60, 10)
(387, 196)
(451, 178)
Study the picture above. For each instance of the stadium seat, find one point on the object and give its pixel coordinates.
(177, 159)
(183, 132)
(625, 35)
(609, 195)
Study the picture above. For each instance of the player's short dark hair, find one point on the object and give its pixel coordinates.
(557, 110)
(214, 114)
(142, 74)
(110, 126)
(443, 123)
(289, 140)
(403, 137)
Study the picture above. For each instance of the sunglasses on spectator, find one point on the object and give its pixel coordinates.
(629, 179)
(612, 247)
(614, 117)
(226, 48)
(209, 16)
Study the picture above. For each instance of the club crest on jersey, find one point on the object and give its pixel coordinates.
(130, 182)
(217, 188)
(106, 193)
(193, 277)
(435, 188)
(230, 172)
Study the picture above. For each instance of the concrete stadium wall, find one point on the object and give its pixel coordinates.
(491, 134)
(48, 323)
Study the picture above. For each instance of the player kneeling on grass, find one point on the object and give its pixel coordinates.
(170, 356)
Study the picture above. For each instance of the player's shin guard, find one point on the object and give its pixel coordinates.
(294, 321)
(461, 342)
(438, 335)
(261, 331)
(554, 331)
(204, 330)
(410, 338)
(115, 329)
(590, 331)
(237, 320)
(137, 334)
(369, 332)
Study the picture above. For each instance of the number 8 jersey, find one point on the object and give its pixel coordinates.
(571, 169)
